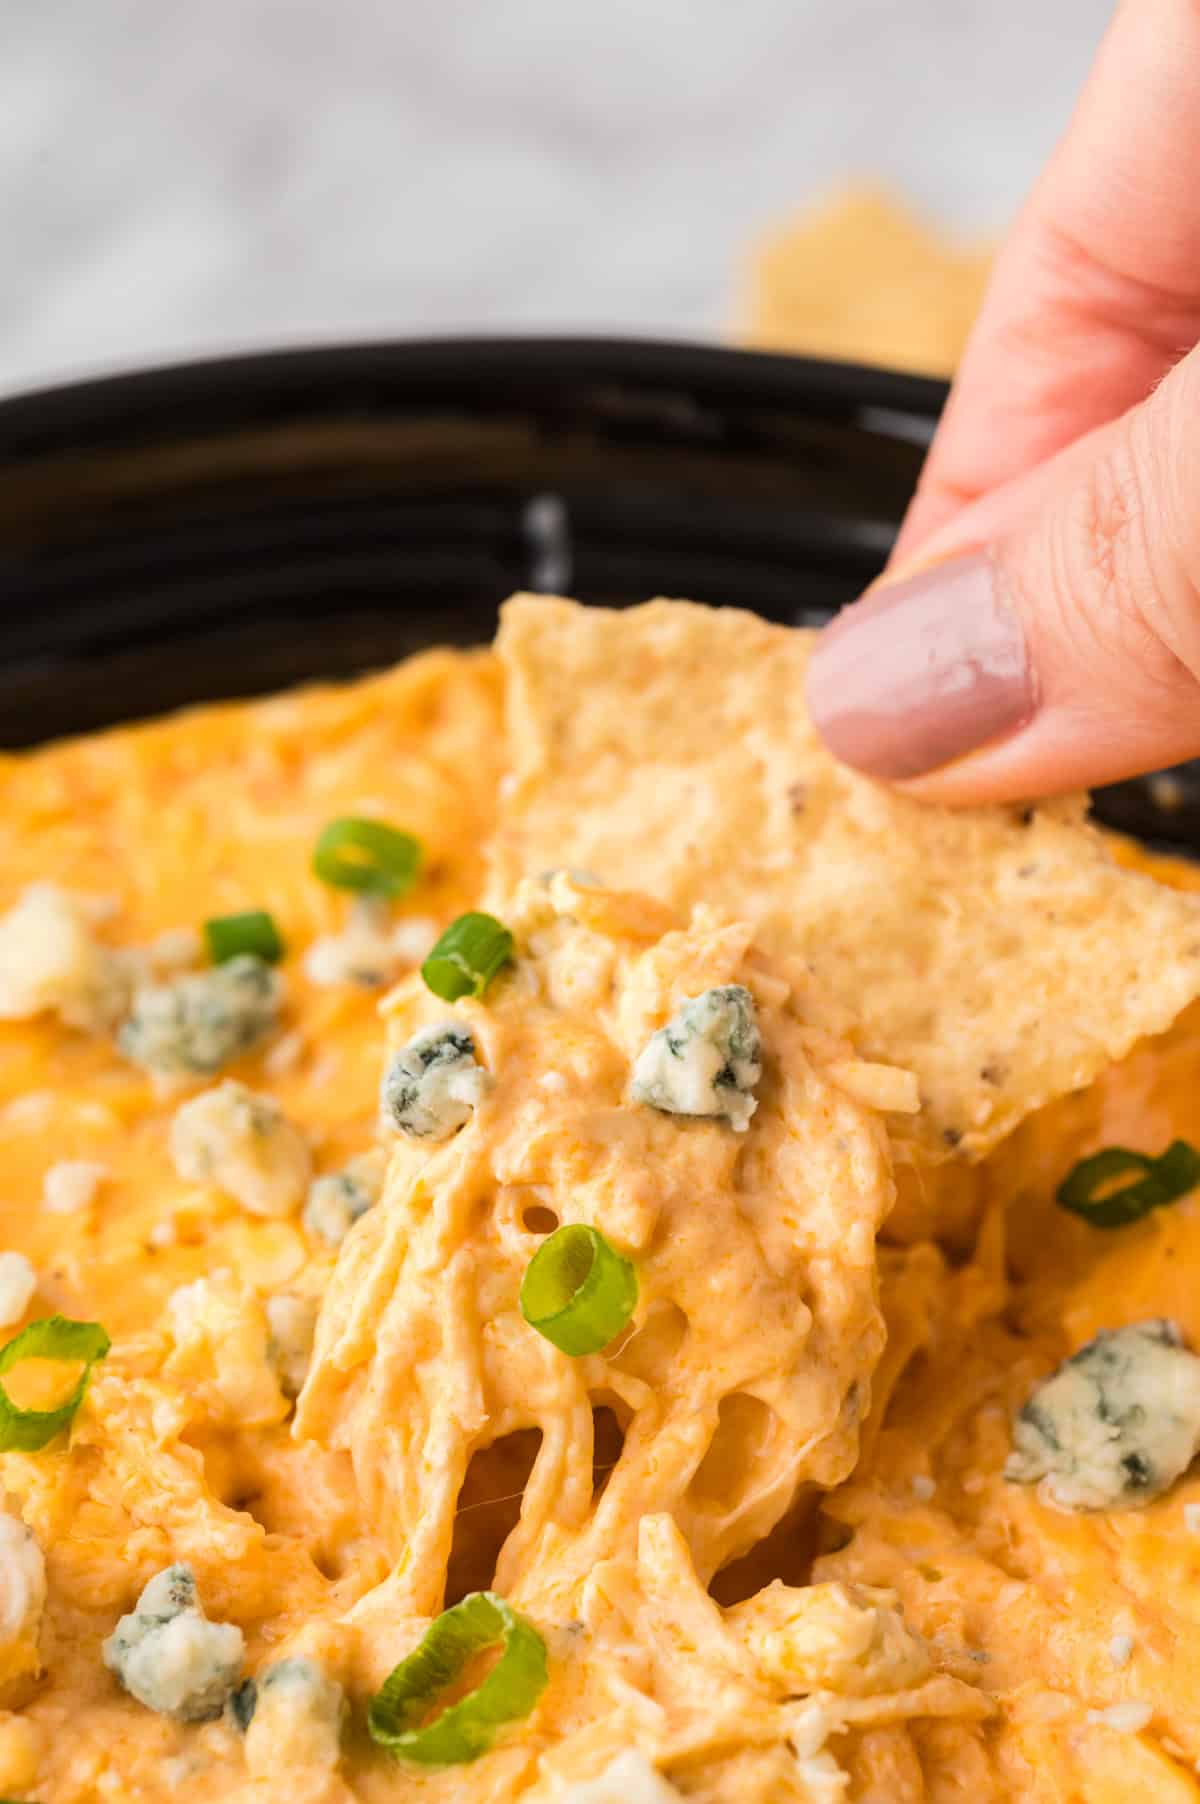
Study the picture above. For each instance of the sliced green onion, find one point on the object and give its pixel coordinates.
(228, 936)
(467, 957)
(1161, 1180)
(578, 1290)
(54, 1337)
(467, 1729)
(368, 856)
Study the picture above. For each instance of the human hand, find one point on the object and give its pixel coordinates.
(1039, 627)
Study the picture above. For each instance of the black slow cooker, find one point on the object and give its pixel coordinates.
(230, 527)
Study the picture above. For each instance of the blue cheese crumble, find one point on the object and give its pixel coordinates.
(706, 1060)
(432, 1085)
(244, 1144)
(18, 1281)
(69, 1186)
(198, 1023)
(292, 1328)
(293, 1717)
(338, 1199)
(22, 1582)
(1115, 1425)
(371, 948)
(169, 1656)
(50, 962)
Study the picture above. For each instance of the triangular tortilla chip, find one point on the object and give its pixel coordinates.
(1000, 954)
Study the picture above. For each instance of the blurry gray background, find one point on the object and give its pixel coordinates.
(182, 177)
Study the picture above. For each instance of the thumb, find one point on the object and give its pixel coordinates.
(1054, 643)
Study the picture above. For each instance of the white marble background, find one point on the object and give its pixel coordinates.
(186, 175)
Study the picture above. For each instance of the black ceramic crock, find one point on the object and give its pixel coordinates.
(229, 527)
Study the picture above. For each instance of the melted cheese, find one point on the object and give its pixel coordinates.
(182, 1450)
(1039, 1596)
(959, 1641)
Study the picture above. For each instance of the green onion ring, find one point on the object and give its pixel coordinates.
(467, 957)
(1163, 1180)
(54, 1337)
(228, 936)
(466, 1729)
(368, 856)
(578, 1291)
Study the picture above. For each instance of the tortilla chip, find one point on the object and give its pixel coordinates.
(862, 277)
(1001, 954)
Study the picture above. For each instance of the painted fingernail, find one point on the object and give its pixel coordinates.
(922, 671)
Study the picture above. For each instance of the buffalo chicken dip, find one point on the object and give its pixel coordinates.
(557, 1245)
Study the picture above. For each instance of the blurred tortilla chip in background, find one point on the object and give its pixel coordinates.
(864, 278)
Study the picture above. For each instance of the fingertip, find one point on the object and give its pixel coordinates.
(924, 669)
